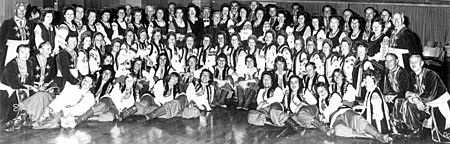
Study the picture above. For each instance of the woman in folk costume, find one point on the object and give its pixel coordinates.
(178, 53)
(179, 25)
(71, 103)
(270, 110)
(247, 83)
(66, 61)
(311, 46)
(375, 109)
(332, 62)
(190, 44)
(104, 107)
(16, 82)
(191, 71)
(318, 58)
(347, 67)
(170, 101)
(340, 85)
(301, 105)
(95, 54)
(116, 43)
(158, 43)
(224, 76)
(143, 43)
(161, 70)
(124, 96)
(144, 78)
(238, 52)
(208, 52)
(201, 92)
(344, 122)
(83, 53)
(282, 72)
(269, 50)
(281, 41)
(130, 44)
(287, 55)
(252, 45)
(300, 58)
(45, 31)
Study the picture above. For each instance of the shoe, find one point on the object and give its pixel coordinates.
(14, 124)
(127, 112)
(290, 123)
(223, 106)
(238, 107)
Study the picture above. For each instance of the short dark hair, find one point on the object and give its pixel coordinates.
(22, 46)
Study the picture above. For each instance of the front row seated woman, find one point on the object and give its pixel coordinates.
(169, 101)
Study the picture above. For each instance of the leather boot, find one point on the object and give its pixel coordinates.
(322, 126)
(127, 112)
(290, 123)
(384, 138)
(85, 116)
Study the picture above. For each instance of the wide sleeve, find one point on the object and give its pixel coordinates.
(63, 64)
(434, 87)
(335, 103)
(277, 96)
(38, 35)
(309, 98)
(190, 92)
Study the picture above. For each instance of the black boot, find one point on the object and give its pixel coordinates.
(322, 126)
(384, 138)
(290, 123)
(127, 112)
(85, 116)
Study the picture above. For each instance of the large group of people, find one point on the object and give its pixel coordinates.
(347, 74)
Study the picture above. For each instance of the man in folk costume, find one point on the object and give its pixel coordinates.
(403, 41)
(66, 61)
(430, 95)
(397, 83)
(16, 83)
(14, 32)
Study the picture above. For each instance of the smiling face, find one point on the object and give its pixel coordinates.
(162, 60)
(46, 50)
(173, 80)
(192, 12)
(235, 41)
(416, 64)
(221, 62)
(294, 83)
(315, 23)
(87, 83)
(179, 13)
(106, 75)
(225, 12)
(370, 13)
(355, 24)
(377, 28)
(69, 15)
(205, 77)
(391, 62)
(259, 14)
(268, 38)
(20, 11)
(370, 83)
(267, 81)
(334, 23)
(322, 91)
(281, 40)
(190, 42)
(192, 61)
(243, 14)
(250, 63)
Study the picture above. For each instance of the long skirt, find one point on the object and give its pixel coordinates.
(36, 104)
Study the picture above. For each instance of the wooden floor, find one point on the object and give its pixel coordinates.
(217, 127)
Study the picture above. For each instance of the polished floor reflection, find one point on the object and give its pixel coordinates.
(217, 127)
